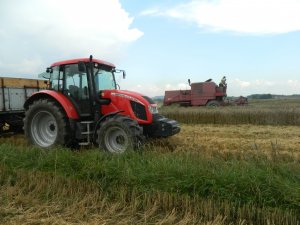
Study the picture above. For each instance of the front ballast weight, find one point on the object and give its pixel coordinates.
(161, 127)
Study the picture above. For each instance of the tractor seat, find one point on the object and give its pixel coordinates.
(74, 91)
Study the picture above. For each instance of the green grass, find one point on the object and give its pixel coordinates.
(33, 197)
(256, 180)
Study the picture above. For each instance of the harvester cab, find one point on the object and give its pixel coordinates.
(83, 105)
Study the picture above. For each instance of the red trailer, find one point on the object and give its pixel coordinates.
(203, 93)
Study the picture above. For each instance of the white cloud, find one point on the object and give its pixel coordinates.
(35, 33)
(179, 86)
(242, 16)
(149, 12)
(241, 83)
(149, 89)
(26, 66)
(168, 87)
(153, 89)
(239, 87)
(295, 84)
(253, 83)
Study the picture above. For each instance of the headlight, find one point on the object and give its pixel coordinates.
(153, 109)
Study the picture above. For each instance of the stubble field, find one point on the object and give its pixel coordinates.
(211, 173)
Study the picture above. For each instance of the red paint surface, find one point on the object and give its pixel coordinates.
(120, 100)
(63, 100)
(73, 61)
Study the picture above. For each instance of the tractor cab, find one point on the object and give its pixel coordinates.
(82, 81)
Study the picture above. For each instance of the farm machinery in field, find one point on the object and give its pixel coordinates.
(206, 93)
(80, 104)
(201, 94)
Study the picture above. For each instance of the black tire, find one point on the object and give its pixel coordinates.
(213, 103)
(118, 134)
(46, 124)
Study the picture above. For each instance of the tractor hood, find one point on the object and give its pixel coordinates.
(131, 95)
(133, 104)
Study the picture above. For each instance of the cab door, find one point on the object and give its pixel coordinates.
(76, 88)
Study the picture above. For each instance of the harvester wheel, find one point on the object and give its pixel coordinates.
(213, 103)
(120, 133)
(46, 125)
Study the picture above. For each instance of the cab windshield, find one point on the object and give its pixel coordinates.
(104, 77)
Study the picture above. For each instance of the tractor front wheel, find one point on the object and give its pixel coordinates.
(120, 133)
(45, 124)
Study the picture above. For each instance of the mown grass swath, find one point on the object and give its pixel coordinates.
(253, 189)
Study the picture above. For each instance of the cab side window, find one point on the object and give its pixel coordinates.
(55, 79)
(76, 83)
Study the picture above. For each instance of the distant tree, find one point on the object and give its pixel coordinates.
(260, 96)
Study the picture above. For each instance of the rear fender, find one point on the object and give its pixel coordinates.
(61, 99)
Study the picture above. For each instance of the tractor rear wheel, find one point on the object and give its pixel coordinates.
(120, 133)
(213, 103)
(46, 125)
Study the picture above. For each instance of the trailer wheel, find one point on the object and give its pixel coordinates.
(120, 133)
(213, 103)
(45, 124)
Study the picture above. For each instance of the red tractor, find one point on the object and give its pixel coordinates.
(201, 94)
(83, 105)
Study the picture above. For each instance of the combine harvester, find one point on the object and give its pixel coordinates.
(80, 104)
(206, 93)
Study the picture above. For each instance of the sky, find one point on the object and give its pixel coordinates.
(160, 44)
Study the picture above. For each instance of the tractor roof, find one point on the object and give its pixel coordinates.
(73, 61)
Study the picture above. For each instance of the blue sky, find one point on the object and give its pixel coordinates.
(160, 44)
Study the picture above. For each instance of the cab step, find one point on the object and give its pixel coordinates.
(87, 132)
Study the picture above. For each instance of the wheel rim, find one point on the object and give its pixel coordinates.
(44, 129)
(116, 140)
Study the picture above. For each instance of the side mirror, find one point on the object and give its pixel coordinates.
(119, 71)
(49, 70)
(189, 81)
(81, 67)
(44, 75)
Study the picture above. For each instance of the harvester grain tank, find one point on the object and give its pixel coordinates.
(82, 105)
